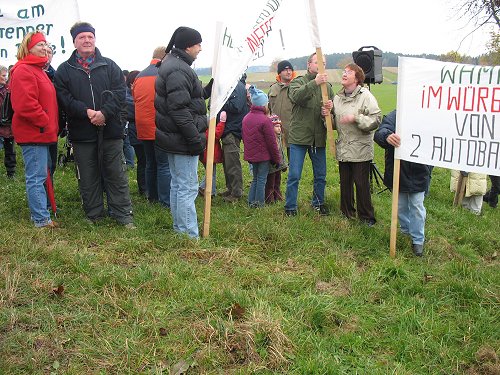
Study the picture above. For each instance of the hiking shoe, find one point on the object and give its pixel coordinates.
(231, 199)
(52, 225)
(418, 250)
(227, 193)
(290, 212)
(322, 210)
(371, 222)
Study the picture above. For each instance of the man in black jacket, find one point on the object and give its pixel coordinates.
(181, 122)
(413, 182)
(91, 90)
(236, 108)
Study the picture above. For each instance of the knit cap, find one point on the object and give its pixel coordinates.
(285, 64)
(184, 37)
(258, 97)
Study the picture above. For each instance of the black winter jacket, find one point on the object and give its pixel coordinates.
(236, 108)
(414, 177)
(181, 118)
(103, 89)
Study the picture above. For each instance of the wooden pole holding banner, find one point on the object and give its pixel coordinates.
(394, 211)
(211, 141)
(325, 98)
(209, 176)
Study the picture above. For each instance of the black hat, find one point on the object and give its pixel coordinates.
(285, 64)
(183, 38)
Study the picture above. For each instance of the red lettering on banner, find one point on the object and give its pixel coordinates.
(256, 38)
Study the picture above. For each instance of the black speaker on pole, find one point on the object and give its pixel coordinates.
(369, 58)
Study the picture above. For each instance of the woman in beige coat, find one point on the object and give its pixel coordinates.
(356, 116)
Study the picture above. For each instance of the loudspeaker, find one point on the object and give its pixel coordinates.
(371, 63)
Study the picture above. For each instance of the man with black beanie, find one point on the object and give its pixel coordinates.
(279, 102)
(181, 122)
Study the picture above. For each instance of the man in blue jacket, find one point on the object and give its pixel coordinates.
(91, 90)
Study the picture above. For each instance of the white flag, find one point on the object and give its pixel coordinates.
(53, 17)
(237, 48)
(312, 18)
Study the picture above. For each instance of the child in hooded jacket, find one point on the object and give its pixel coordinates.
(218, 157)
(261, 148)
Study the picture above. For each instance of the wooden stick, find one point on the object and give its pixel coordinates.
(325, 98)
(460, 191)
(209, 177)
(394, 213)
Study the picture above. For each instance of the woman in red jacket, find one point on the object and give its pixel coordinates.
(35, 121)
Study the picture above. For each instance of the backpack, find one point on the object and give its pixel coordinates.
(7, 111)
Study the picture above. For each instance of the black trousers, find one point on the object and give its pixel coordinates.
(141, 167)
(494, 191)
(112, 180)
(10, 156)
(358, 174)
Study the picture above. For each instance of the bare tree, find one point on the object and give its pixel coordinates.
(480, 12)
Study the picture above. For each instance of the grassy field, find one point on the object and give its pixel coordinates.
(263, 294)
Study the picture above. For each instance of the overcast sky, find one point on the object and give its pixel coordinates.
(129, 33)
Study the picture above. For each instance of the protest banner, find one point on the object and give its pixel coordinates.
(231, 60)
(53, 17)
(448, 115)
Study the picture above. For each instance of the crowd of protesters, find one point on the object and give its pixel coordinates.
(159, 116)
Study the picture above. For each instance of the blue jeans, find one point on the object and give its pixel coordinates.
(36, 163)
(157, 178)
(203, 182)
(163, 177)
(257, 193)
(411, 214)
(183, 192)
(129, 152)
(296, 164)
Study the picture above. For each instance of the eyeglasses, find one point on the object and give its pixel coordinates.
(42, 44)
(347, 72)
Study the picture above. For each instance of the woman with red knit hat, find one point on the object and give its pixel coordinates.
(35, 121)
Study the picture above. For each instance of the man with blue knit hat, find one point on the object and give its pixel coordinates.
(181, 122)
(91, 90)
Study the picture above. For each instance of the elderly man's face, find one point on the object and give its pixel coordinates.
(313, 67)
(85, 43)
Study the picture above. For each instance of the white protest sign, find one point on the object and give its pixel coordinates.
(53, 17)
(449, 115)
(237, 47)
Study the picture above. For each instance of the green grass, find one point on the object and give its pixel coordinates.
(263, 294)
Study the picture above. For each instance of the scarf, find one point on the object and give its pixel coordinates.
(31, 60)
(85, 62)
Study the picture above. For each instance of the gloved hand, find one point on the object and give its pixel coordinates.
(198, 147)
(207, 90)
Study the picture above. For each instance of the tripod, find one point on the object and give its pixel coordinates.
(376, 176)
